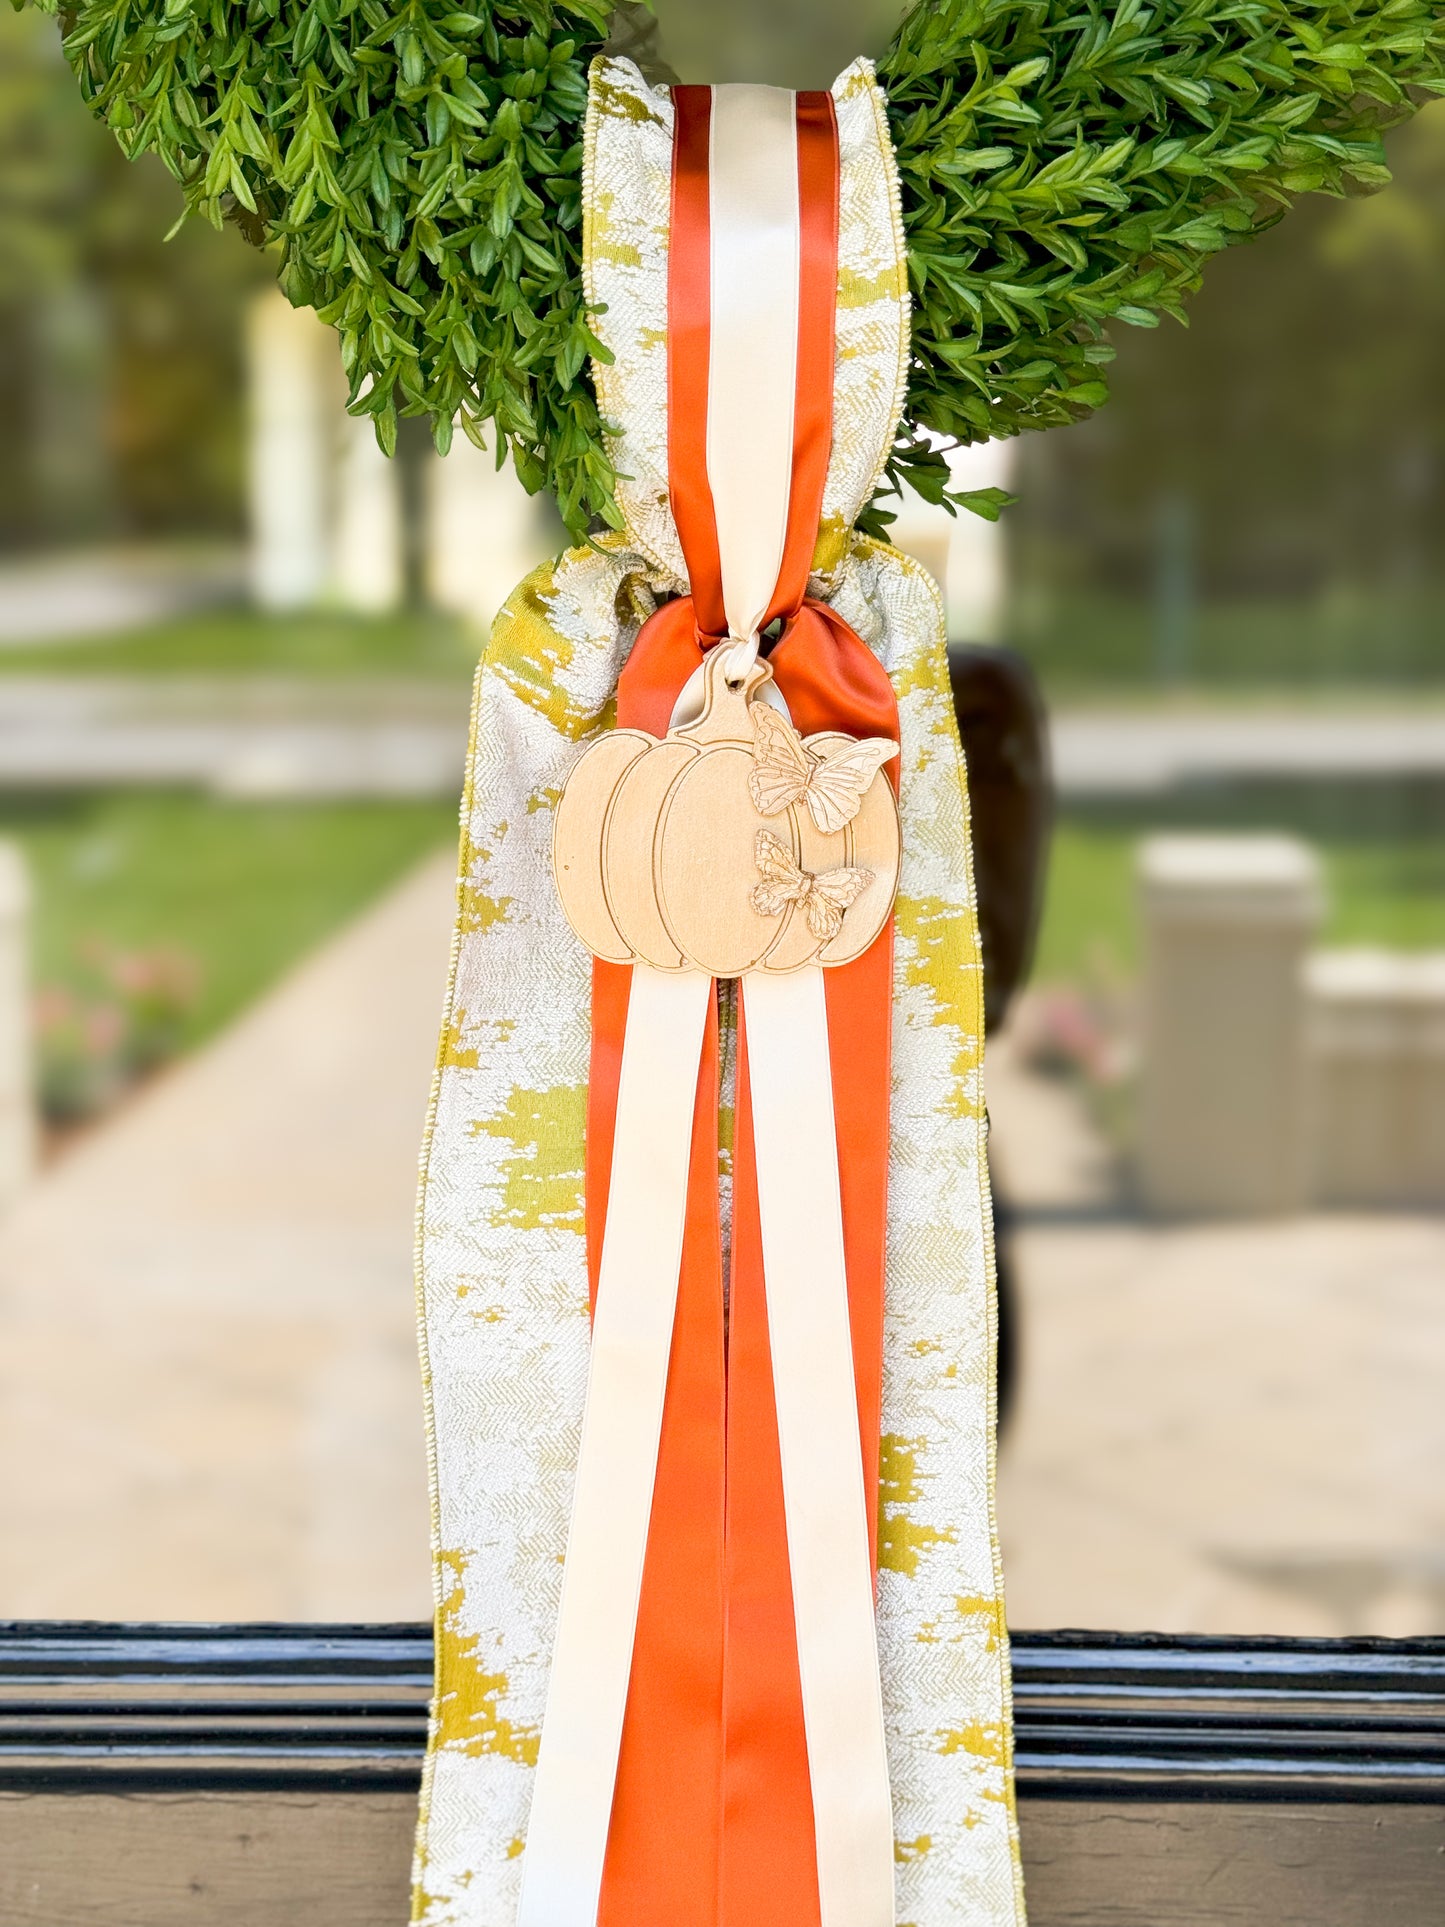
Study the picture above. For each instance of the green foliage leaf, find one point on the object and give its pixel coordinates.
(1144, 137)
(418, 168)
(1064, 164)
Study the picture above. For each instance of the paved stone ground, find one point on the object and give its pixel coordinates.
(209, 1401)
(240, 736)
(1159, 748)
(208, 1390)
(1232, 1427)
(90, 592)
(297, 736)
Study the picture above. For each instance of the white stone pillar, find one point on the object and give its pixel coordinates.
(1377, 1078)
(925, 532)
(966, 556)
(484, 532)
(1227, 921)
(17, 1108)
(367, 571)
(295, 392)
(976, 588)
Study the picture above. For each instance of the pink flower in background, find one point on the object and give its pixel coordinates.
(170, 975)
(1064, 1031)
(103, 1027)
(53, 1005)
(122, 1017)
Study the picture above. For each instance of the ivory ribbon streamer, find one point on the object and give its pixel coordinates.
(801, 1214)
(753, 340)
(617, 1461)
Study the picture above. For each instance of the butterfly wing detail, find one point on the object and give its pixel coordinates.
(829, 895)
(781, 766)
(784, 882)
(837, 785)
(824, 898)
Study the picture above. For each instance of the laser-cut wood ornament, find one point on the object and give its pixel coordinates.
(730, 844)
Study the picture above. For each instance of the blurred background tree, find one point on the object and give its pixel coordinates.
(121, 390)
(1260, 499)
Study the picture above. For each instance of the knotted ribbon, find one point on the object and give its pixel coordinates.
(713, 1750)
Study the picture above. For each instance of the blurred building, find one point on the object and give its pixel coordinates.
(121, 382)
(334, 523)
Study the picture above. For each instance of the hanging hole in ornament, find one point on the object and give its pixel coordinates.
(689, 705)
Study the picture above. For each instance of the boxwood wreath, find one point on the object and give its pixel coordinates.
(1063, 164)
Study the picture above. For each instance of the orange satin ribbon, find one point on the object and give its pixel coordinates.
(712, 1822)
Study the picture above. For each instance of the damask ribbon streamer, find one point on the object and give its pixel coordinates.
(747, 1785)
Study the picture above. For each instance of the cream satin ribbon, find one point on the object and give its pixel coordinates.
(753, 350)
(801, 1216)
(755, 239)
(617, 1461)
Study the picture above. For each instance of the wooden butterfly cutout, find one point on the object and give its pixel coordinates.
(832, 783)
(824, 898)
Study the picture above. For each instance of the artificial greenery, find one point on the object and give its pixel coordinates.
(419, 166)
(1063, 166)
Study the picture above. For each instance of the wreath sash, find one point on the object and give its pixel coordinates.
(750, 1783)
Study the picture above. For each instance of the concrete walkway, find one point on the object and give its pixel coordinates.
(209, 1399)
(340, 736)
(1231, 1427)
(85, 593)
(240, 736)
(1155, 750)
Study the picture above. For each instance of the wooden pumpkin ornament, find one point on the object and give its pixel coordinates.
(730, 844)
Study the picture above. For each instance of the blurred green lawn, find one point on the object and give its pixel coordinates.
(237, 642)
(1088, 646)
(247, 889)
(244, 889)
(1384, 888)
